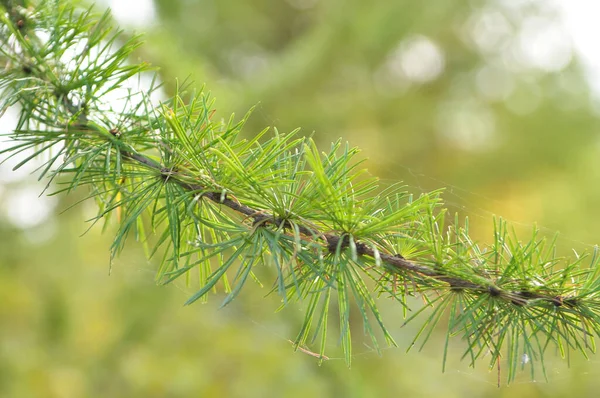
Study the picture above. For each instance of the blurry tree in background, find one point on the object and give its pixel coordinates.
(487, 96)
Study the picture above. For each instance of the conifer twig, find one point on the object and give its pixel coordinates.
(210, 202)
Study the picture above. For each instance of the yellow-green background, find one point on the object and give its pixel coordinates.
(69, 329)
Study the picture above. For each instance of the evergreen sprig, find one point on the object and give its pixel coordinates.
(216, 206)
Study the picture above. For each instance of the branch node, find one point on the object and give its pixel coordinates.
(167, 172)
(557, 301)
(494, 291)
(333, 241)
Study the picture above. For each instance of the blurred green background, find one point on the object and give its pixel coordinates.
(487, 98)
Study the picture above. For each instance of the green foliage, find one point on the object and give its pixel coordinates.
(212, 206)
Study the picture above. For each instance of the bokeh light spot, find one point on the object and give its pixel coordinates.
(417, 59)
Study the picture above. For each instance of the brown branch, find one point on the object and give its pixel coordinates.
(397, 263)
